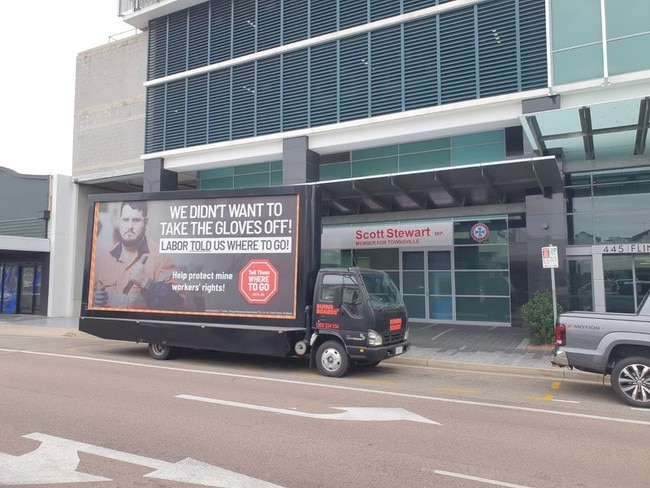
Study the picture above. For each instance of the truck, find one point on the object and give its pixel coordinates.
(235, 271)
(615, 344)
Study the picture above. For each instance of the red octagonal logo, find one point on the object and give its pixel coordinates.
(258, 281)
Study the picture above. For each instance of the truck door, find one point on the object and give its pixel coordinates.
(352, 315)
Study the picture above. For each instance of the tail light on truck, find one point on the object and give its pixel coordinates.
(560, 335)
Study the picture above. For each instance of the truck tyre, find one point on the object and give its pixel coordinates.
(332, 359)
(631, 381)
(161, 351)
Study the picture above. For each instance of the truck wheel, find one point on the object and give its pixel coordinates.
(631, 381)
(331, 359)
(161, 351)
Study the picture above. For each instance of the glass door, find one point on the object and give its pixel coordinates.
(427, 284)
(440, 286)
(414, 284)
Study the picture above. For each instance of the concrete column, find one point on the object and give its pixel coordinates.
(546, 224)
(157, 178)
(299, 163)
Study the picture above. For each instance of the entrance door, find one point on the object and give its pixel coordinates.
(9, 302)
(427, 284)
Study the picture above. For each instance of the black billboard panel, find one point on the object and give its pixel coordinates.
(232, 256)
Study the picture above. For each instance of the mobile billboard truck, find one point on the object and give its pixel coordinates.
(235, 271)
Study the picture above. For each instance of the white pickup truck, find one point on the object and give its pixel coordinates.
(617, 344)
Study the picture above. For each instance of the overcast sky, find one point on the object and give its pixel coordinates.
(39, 42)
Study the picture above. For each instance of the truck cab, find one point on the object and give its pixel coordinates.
(358, 317)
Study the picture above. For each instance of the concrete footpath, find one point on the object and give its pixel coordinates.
(469, 347)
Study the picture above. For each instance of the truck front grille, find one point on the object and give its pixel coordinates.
(393, 338)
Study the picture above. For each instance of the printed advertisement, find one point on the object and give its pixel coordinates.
(217, 256)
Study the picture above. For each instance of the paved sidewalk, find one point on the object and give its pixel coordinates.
(433, 344)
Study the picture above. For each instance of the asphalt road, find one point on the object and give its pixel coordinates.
(75, 407)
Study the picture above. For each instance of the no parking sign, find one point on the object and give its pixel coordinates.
(549, 257)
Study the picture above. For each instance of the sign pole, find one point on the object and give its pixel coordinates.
(554, 298)
(550, 260)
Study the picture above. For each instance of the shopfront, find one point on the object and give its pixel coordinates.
(20, 288)
(454, 270)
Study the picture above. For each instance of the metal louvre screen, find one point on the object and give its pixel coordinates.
(487, 49)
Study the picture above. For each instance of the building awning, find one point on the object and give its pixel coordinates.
(603, 130)
(462, 186)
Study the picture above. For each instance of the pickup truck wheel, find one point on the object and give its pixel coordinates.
(631, 381)
(332, 359)
(161, 351)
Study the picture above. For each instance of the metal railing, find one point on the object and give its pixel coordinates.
(126, 7)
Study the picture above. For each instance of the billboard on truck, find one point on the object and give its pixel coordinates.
(204, 254)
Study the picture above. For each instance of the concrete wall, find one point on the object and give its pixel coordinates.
(109, 117)
(62, 247)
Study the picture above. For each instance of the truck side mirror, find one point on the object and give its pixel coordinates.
(337, 299)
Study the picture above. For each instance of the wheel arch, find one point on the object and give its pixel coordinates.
(625, 350)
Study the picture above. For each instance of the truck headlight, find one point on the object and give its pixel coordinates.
(374, 339)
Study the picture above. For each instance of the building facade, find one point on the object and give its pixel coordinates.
(36, 235)
(452, 139)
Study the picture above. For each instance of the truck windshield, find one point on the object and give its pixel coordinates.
(382, 290)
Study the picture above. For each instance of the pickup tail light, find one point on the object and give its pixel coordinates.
(560, 335)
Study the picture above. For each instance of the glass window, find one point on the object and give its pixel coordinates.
(622, 227)
(413, 260)
(498, 231)
(425, 160)
(439, 260)
(583, 63)
(481, 257)
(480, 309)
(621, 198)
(478, 154)
(413, 282)
(440, 308)
(581, 229)
(415, 306)
(619, 294)
(384, 259)
(482, 283)
(580, 285)
(566, 32)
(623, 54)
(440, 282)
(630, 20)
(375, 166)
(579, 200)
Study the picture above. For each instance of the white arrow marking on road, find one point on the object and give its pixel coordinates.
(52, 462)
(56, 460)
(361, 414)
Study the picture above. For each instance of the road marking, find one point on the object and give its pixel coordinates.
(545, 398)
(556, 385)
(337, 387)
(441, 334)
(550, 398)
(476, 478)
(56, 461)
(359, 414)
(456, 390)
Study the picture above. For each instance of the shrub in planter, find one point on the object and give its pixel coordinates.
(538, 317)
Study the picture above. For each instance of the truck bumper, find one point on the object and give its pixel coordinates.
(376, 354)
(559, 358)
